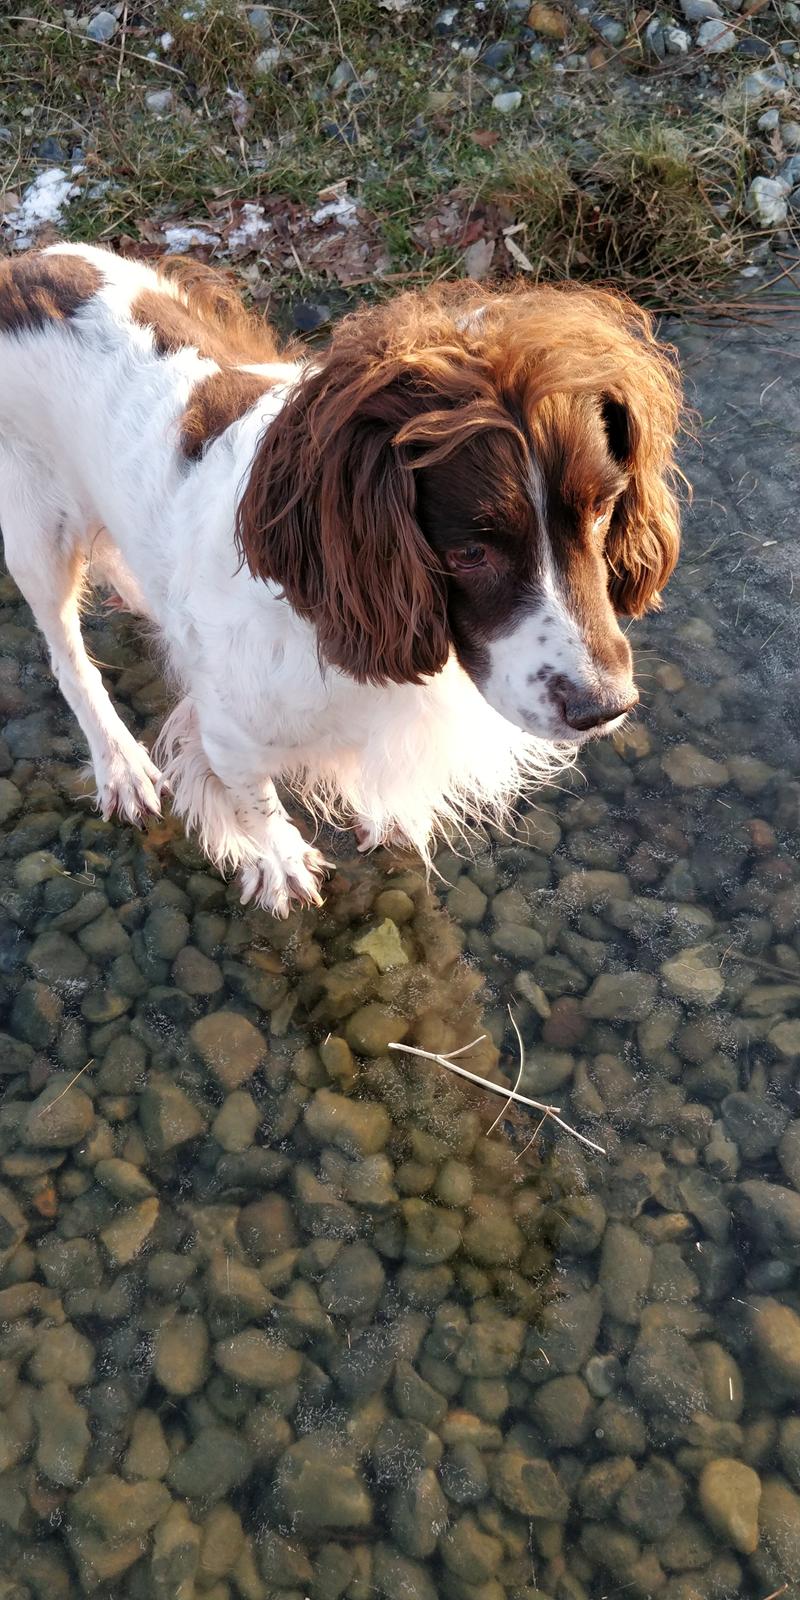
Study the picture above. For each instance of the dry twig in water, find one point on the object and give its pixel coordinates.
(549, 1113)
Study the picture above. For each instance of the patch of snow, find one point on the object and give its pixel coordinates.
(341, 208)
(43, 202)
(178, 239)
(252, 228)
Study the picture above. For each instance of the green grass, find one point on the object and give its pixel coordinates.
(639, 208)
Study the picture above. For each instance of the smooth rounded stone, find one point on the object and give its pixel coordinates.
(527, 1485)
(626, 1263)
(652, 1500)
(147, 1455)
(62, 1353)
(168, 1117)
(395, 903)
(418, 1514)
(318, 1490)
(779, 1519)
(237, 1122)
(123, 1179)
(353, 1284)
(754, 1123)
(395, 1575)
(165, 932)
(563, 1410)
(729, 1494)
(592, 890)
(521, 943)
(60, 1116)
(789, 1153)
(36, 1015)
(684, 764)
(104, 938)
(10, 800)
(723, 1380)
(229, 1046)
(257, 1359)
(786, 1038)
(128, 1234)
(101, 27)
(466, 902)
(602, 1483)
(401, 1447)
(58, 961)
(463, 1475)
(358, 1127)
(196, 973)
(454, 1184)
(620, 1429)
(565, 1335)
(371, 1029)
(415, 1398)
(491, 1348)
(216, 1462)
(468, 1552)
(180, 1361)
(13, 1225)
(665, 1374)
(283, 1563)
(492, 1237)
(772, 1214)
(267, 1227)
(621, 996)
(223, 1544)
(175, 1554)
(603, 1375)
(693, 976)
(384, 945)
(63, 1437)
(611, 1547)
(115, 1510)
(775, 1332)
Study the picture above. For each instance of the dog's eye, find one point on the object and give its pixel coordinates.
(467, 559)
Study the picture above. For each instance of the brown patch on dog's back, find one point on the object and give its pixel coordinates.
(207, 316)
(214, 404)
(38, 289)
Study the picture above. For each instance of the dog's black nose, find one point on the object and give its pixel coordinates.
(583, 711)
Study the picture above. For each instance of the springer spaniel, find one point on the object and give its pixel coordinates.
(388, 573)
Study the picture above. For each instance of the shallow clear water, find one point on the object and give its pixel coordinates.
(279, 1315)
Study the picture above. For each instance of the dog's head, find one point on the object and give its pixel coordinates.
(490, 473)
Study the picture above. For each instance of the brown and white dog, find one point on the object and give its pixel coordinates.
(388, 573)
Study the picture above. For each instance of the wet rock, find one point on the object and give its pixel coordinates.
(694, 975)
(779, 1520)
(235, 1125)
(60, 1116)
(466, 902)
(267, 1227)
(652, 1500)
(786, 1037)
(255, 1358)
(13, 1226)
(789, 1153)
(36, 1015)
(418, 1514)
(527, 1485)
(229, 1046)
(195, 973)
(729, 1495)
(147, 1455)
(684, 764)
(117, 1511)
(126, 1237)
(354, 1283)
(621, 1429)
(216, 1462)
(168, 1117)
(621, 996)
(318, 1491)
(463, 1475)
(357, 1127)
(754, 1123)
(384, 945)
(62, 1353)
(394, 1575)
(723, 1380)
(468, 1552)
(563, 1410)
(776, 1339)
(602, 1483)
(181, 1355)
(63, 1436)
(176, 1554)
(625, 1266)
(565, 1335)
(372, 1028)
(491, 1348)
(665, 1374)
(772, 1214)
(123, 1179)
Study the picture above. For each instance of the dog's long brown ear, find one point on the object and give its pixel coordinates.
(644, 538)
(329, 514)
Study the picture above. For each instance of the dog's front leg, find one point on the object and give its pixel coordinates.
(213, 771)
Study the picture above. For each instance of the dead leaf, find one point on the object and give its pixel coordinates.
(516, 253)
(397, 6)
(487, 138)
(548, 21)
(597, 56)
(240, 109)
(478, 258)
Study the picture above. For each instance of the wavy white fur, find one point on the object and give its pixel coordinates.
(93, 488)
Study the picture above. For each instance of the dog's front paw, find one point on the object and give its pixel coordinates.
(129, 784)
(289, 873)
